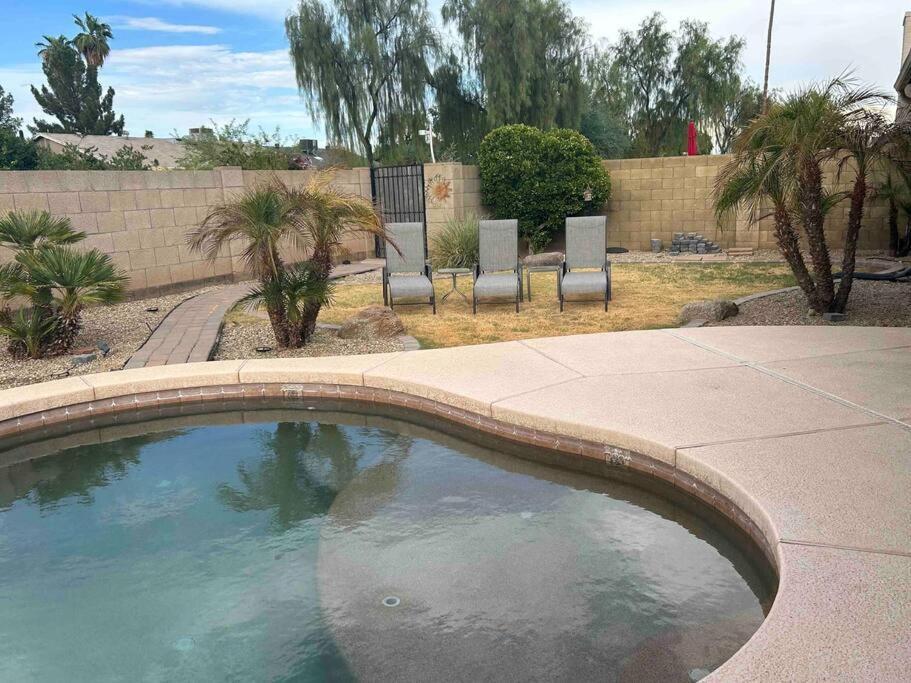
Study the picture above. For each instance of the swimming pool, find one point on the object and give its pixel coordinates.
(285, 544)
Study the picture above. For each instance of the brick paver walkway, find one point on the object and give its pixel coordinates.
(189, 333)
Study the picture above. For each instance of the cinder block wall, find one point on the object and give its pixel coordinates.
(654, 198)
(141, 218)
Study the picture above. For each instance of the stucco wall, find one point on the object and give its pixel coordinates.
(141, 218)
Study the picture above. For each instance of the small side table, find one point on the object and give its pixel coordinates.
(542, 269)
(455, 272)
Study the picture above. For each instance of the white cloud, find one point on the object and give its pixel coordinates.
(173, 88)
(156, 24)
(267, 9)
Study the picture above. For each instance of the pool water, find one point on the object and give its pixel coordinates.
(322, 546)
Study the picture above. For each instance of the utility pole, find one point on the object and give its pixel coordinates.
(768, 54)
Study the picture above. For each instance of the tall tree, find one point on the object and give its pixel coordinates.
(92, 41)
(657, 80)
(73, 94)
(363, 66)
(777, 169)
(524, 59)
(16, 153)
(7, 120)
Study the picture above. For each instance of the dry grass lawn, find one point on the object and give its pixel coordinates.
(646, 296)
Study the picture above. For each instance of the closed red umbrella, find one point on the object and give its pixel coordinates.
(692, 144)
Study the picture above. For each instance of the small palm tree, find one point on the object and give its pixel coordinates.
(92, 42)
(58, 281)
(28, 332)
(324, 216)
(67, 281)
(29, 230)
(295, 287)
(868, 143)
(265, 219)
(778, 161)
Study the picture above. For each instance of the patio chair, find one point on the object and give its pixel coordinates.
(498, 274)
(407, 278)
(585, 248)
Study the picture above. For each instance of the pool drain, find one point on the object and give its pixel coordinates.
(391, 601)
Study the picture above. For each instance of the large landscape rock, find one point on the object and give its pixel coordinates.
(711, 311)
(374, 322)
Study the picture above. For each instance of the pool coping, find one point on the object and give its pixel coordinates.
(795, 623)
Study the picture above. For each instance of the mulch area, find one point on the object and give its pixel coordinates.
(872, 303)
(124, 327)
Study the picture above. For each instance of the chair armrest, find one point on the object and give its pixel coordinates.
(476, 272)
(385, 274)
(428, 271)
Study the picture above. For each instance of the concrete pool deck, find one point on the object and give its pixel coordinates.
(805, 431)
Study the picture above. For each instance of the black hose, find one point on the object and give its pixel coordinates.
(893, 276)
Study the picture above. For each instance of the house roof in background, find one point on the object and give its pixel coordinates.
(165, 150)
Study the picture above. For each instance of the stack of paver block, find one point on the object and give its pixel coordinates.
(692, 242)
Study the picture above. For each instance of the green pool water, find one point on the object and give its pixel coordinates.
(267, 547)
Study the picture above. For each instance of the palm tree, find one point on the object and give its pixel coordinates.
(293, 289)
(66, 281)
(51, 45)
(29, 230)
(325, 216)
(778, 160)
(869, 143)
(259, 219)
(92, 42)
(313, 218)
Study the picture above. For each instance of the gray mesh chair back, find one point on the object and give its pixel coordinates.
(586, 240)
(409, 238)
(498, 245)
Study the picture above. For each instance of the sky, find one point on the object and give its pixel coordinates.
(177, 64)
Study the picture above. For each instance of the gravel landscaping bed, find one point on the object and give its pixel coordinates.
(881, 304)
(124, 326)
(240, 339)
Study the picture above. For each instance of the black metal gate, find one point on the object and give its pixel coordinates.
(399, 191)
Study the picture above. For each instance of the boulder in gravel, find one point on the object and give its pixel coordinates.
(545, 258)
(374, 322)
(712, 311)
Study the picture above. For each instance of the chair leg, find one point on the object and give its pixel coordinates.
(561, 302)
(474, 304)
(517, 303)
(528, 287)
(433, 303)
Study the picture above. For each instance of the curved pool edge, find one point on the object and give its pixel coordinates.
(841, 612)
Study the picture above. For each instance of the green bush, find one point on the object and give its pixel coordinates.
(540, 178)
(456, 245)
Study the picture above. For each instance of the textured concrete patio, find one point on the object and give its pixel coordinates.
(806, 430)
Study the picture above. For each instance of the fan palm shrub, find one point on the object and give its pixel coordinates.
(29, 230)
(456, 244)
(292, 291)
(313, 218)
(778, 171)
(56, 280)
